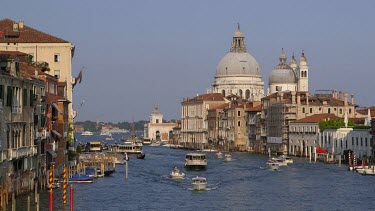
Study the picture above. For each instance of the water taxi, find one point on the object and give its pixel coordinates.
(195, 161)
(177, 174)
(286, 159)
(227, 157)
(273, 166)
(86, 133)
(94, 146)
(199, 183)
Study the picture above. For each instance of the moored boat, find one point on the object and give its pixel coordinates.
(86, 133)
(177, 174)
(199, 183)
(195, 161)
(80, 178)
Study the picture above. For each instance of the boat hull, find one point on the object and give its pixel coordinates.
(196, 167)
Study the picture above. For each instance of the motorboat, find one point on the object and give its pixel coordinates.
(199, 183)
(370, 170)
(286, 159)
(195, 161)
(227, 157)
(86, 133)
(219, 155)
(273, 166)
(280, 161)
(80, 178)
(177, 174)
(94, 146)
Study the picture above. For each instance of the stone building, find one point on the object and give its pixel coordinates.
(194, 118)
(44, 48)
(238, 72)
(156, 130)
(282, 107)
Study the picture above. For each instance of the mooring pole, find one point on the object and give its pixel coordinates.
(50, 189)
(71, 197)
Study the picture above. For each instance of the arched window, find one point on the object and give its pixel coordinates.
(303, 110)
(247, 94)
(239, 123)
(240, 93)
(223, 92)
(329, 110)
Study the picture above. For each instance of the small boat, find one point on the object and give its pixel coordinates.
(227, 157)
(146, 141)
(199, 183)
(105, 133)
(56, 183)
(369, 170)
(195, 161)
(273, 166)
(177, 174)
(109, 172)
(99, 173)
(219, 155)
(286, 159)
(141, 156)
(80, 178)
(281, 162)
(86, 133)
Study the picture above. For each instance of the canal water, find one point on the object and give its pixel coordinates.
(242, 184)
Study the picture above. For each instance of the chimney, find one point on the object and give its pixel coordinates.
(20, 24)
(352, 99)
(307, 98)
(340, 95)
(15, 27)
(345, 99)
(293, 97)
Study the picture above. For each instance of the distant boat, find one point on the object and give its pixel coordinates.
(227, 157)
(177, 174)
(86, 133)
(199, 183)
(195, 161)
(110, 138)
(219, 155)
(146, 141)
(105, 133)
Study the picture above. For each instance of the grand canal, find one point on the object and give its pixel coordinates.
(242, 184)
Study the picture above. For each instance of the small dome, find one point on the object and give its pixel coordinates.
(238, 64)
(238, 34)
(282, 76)
(283, 73)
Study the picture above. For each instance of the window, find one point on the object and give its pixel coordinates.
(238, 113)
(329, 110)
(310, 110)
(52, 88)
(9, 96)
(303, 110)
(157, 120)
(2, 93)
(24, 97)
(239, 123)
(340, 110)
(352, 141)
(350, 111)
(361, 142)
(57, 57)
(356, 141)
(31, 97)
(366, 141)
(57, 73)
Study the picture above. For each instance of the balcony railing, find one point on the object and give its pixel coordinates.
(3, 155)
(23, 152)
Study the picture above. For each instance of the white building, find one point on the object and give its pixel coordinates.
(305, 135)
(291, 77)
(238, 72)
(157, 130)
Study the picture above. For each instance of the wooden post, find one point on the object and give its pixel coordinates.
(13, 200)
(64, 185)
(37, 204)
(315, 155)
(50, 190)
(310, 153)
(36, 193)
(126, 170)
(28, 203)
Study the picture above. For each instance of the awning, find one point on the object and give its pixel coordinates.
(56, 107)
(57, 133)
(53, 153)
(319, 150)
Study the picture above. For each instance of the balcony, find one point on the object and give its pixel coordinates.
(23, 152)
(3, 155)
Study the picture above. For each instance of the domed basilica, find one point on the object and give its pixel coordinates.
(239, 73)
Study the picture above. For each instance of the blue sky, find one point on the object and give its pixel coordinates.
(138, 53)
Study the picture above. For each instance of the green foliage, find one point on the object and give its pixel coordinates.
(334, 124)
(91, 126)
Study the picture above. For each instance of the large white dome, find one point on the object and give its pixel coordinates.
(238, 64)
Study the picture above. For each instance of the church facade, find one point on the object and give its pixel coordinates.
(156, 130)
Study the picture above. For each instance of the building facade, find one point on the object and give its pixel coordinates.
(156, 130)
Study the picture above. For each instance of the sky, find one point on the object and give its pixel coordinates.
(140, 53)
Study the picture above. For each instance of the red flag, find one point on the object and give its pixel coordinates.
(78, 78)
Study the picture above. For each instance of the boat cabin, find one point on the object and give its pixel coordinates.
(94, 147)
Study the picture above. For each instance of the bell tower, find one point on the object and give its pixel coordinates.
(303, 76)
